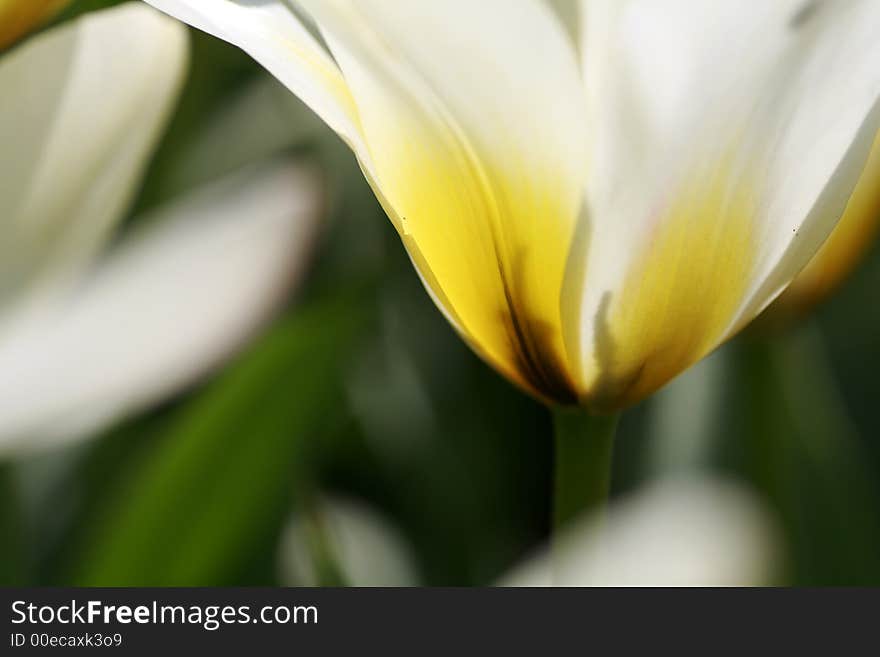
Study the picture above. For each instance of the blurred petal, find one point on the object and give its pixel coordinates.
(676, 533)
(18, 17)
(81, 110)
(166, 306)
(362, 543)
(728, 144)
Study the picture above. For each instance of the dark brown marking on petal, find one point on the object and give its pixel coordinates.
(532, 339)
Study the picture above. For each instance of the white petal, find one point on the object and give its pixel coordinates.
(270, 33)
(461, 66)
(81, 109)
(792, 84)
(828, 122)
(743, 129)
(675, 533)
(165, 307)
(365, 546)
(478, 155)
(474, 146)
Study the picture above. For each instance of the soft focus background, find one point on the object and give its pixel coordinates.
(355, 439)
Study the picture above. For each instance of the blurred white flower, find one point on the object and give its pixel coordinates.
(161, 309)
(86, 339)
(680, 532)
(82, 109)
(363, 544)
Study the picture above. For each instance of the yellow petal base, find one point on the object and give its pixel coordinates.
(681, 299)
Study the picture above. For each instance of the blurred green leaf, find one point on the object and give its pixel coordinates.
(802, 452)
(191, 510)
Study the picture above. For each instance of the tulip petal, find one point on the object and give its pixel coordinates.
(271, 33)
(478, 155)
(165, 307)
(81, 110)
(474, 147)
(844, 250)
(728, 144)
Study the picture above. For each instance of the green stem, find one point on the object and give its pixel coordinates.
(584, 446)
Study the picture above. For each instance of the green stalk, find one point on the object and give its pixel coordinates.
(582, 479)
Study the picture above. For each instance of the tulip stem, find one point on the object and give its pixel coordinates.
(582, 479)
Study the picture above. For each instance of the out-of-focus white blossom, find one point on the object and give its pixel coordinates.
(82, 108)
(162, 308)
(681, 532)
(362, 544)
(90, 334)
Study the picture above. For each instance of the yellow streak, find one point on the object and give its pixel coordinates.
(490, 240)
(844, 249)
(677, 303)
(18, 17)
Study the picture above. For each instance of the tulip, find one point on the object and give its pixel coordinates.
(90, 334)
(595, 219)
(589, 237)
(18, 17)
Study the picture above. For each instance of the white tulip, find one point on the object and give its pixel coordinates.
(592, 220)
